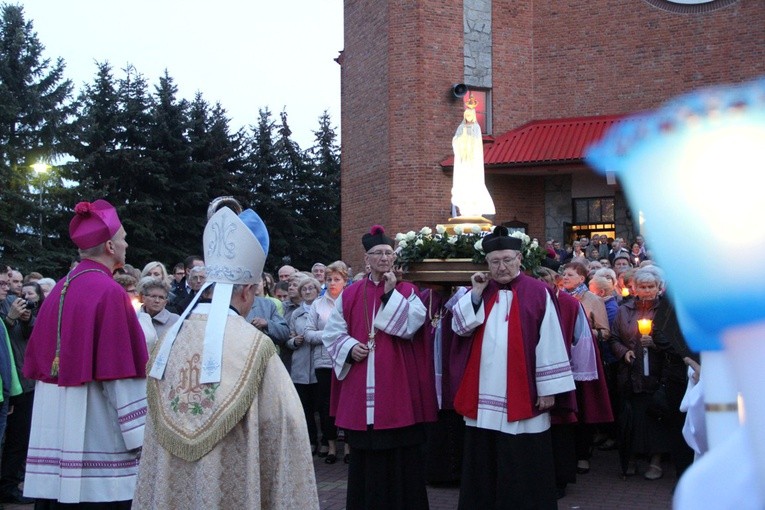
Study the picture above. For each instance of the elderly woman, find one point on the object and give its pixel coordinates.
(639, 375)
(157, 269)
(335, 278)
(573, 283)
(154, 292)
(302, 370)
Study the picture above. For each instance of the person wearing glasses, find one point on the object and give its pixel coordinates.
(518, 363)
(378, 399)
(197, 276)
(154, 294)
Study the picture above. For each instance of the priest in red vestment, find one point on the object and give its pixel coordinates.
(379, 398)
(518, 363)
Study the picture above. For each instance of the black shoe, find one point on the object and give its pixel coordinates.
(331, 459)
(321, 455)
(16, 497)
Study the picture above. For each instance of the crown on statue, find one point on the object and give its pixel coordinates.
(472, 102)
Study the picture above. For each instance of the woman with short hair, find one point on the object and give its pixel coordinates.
(302, 370)
(639, 375)
(335, 278)
(154, 293)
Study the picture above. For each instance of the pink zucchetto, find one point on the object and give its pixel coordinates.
(93, 223)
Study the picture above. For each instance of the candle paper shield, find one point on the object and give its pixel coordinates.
(689, 168)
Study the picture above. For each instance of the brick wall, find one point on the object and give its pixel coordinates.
(614, 56)
(398, 116)
(551, 58)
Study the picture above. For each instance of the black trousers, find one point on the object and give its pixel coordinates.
(507, 472)
(327, 422)
(16, 442)
(307, 394)
(387, 471)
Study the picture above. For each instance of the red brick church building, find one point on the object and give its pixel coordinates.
(550, 76)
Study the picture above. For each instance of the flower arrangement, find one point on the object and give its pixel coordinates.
(466, 242)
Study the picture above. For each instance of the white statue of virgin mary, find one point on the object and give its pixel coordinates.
(469, 193)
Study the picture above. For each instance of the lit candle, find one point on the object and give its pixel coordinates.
(691, 136)
(644, 326)
(625, 292)
(136, 303)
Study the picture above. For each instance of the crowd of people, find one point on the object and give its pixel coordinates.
(505, 387)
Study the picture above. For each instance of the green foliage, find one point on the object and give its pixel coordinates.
(427, 244)
(463, 243)
(158, 158)
(34, 106)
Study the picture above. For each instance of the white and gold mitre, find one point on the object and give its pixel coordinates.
(235, 247)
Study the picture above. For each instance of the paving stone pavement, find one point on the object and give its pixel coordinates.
(600, 489)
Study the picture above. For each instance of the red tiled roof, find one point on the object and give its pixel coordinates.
(548, 140)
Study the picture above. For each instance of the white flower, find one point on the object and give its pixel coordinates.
(476, 229)
(452, 239)
(440, 229)
(400, 237)
(410, 235)
(457, 230)
(426, 231)
(478, 246)
(517, 234)
(419, 242)
(402, 243)
(534, 244)
(526, 239)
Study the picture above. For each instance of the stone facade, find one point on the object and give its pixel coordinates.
(477, 27)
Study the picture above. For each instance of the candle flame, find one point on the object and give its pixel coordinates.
(644, 326)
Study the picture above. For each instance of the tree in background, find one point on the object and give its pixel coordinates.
(158, 158)
(34, 106)
(322, 211)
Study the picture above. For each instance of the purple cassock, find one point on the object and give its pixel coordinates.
(403, 395)
(532, 296)
(100, 336)
(447, 352)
